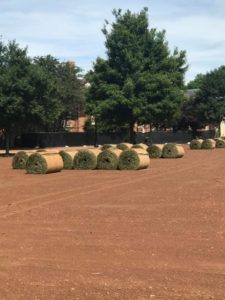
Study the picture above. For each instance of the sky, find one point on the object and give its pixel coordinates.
(71, 29)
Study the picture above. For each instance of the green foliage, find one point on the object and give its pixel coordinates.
(209, 104)
(140, 81)
(197, 82)
(36, 94)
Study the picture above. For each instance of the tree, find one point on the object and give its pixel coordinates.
(36, 93)
(197, 82)
(210, 101)
(208, 107)
(58, 92)
(140, 80)
(14, 88)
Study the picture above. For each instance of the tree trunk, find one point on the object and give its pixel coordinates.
(96, 135)
(7, 142)
(132, 133)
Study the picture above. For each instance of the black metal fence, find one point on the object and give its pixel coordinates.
(61, 139)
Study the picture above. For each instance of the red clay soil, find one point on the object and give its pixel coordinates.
(152, 234)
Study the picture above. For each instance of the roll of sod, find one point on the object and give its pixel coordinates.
(172, 151)
(86, 159)
(155, 151)
(140, 146)
(133, 159)
(220, 143)
(20, 159)
(208, 144)
(108, 159)
(44, 163)
(196, 144)
(124, 146)
(107, 146)
(68, 157)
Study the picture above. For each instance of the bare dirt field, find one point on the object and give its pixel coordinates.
(152, 234)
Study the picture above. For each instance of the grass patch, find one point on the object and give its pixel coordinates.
(172, 151)
(108, 159)
(86, 159)
(133, 159)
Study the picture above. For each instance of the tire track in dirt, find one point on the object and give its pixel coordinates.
(117, 183)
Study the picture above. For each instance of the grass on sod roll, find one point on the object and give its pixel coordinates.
(124, 146)
(196, 144)
(208, 144)
(134, 159)
(68, 157)
(220, 143)
(44, 163)
(20, 159)
(172, 151)
(86, 159)
(107, 146)
(141, 146)
(108, 159)
(155, 150)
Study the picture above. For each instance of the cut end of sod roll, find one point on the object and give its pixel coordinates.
(108, 159)
(172, 151)
(208, 144)
(44, 163)
(67, 157)
(20, 159)
(134, 159)
(155, 151)
(86, 159)
(124, 146)
(220, 143)
(196, 144)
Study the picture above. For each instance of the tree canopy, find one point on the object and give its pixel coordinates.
(37, 93)
(140, 80)
(208, 106)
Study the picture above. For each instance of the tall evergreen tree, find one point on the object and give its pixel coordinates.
(140, 80)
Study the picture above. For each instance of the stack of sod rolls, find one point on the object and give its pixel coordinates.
(172, 151)
(124, 146)
(86, 159)
(134, 159)
(108, 159)
(68, 158)
(220, 143)
(140, 146)
(208, 144)
(155, 150)
(196, 144)
(44, 163)
(20, 159)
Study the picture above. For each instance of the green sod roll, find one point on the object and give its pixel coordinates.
(20, 159)
(86, 159)
(140, 146)
(220, 143)
(108, 159)
(208, 144)
(196, 144)
(155, 151)
(107, 146)
(68, 157)
(44, 163)
(133, 159)
(172, 151)
(124, 146)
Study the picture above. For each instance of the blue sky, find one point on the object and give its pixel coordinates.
(71, 29)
